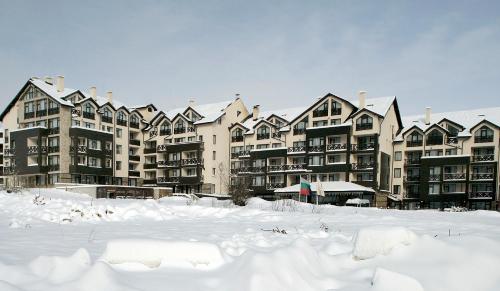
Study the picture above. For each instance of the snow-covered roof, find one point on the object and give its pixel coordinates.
(379, 105)
(466, 118)
(51, 90)
(336, 186)
(210, 112)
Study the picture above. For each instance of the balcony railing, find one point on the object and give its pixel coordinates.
(434, 178)
(296, 167)
(414, 143)
(481, 194)
(79, 149)
(412, 179)
(134, 124)
(134, 173)
(165, 132)
(297, 131)
(276, 168)
(149, 166)
(452, 140)
(107, 119)
(482, 139)
(135, 142)
(28, 115)
(53, 168)
(175, 163)
(434, 140)
(273, 186)
(76, 112)
(53, 149)
(483, 158)
(54, 110)
(316, 149)
(320, 113)
(53, 130)
(121, 122)
(168, 179)
(413, 161)
(454, 176)
(336, 147)
(37, 150)
(41, 113)
(150, 150)
(179, 130)
(149, 181)
(297, 149)
(262, 136)
(88, 115)
(363, 166)
(9, 152)
(482, 176)
(108, 152)
(237, 138)
(191, 129)
(191, 162)
(363, 147)
(336, 111)
(364, 126)
(276, 135)
(252, 169)
(134, 158)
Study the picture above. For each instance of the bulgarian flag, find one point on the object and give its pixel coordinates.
(305, 187)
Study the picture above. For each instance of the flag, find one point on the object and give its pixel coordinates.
(305, 187)
(319, 189)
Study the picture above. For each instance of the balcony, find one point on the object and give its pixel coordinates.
(237, 138)
(76, 112)
(108, 152)
(297, 149)
(434, 178)
(107, 119)
(149, 182)
(276, 168)
(262, 136)
(134, 173)
(336, 111)
(252, 169)
(482, 176)
(53, 149)
(134, 124)
(54, 110)
(434, 140)
(121, 122)
(79, 149)
(9, 152)
(297, 131)
(191, 129)
(134, 158)
(32, 150)
(41, 113)
(483, 158)
(412, 162)
(364, 126)
(363, 166)
(454, 176)
(336, 147)
(363, 147)
(482, 195)
(168, 180)
(191, 162)
(53, 130)
(163, 164)
(179, 130)
(412, 179)
(88, 115)
(296, 167)
(135, 142)
(483, 139)
(150, 150)
(452, 140)
(414, 143)
(273, 186)
(316, 149)
(53, 168)
(149, 166)
(28, 115)
(320, 113)
(165, 132)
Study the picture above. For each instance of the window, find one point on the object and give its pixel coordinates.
(89, 125)
(179, 126)
(397, 189)
(118, 132)
(276, 145)
(451, 152)
(433, 153)
(262, 146)
(118, 149)
(214, 155)
(336, 121)
(316, 160)
(263, 132)
(333, 159)
(300, 128)
(435, 137)
(484, 134)
(214, 139)
(398, 156)
(334, 139)
(213, 171)
(364, 122)
(165, 128)
(321, 110)
(237, 135)
(88, 108)
(121, 119)
(452, 130)
(415, 139)
(397, 172)
(200, 138)
(191, 172)
(433, 189)
(118, 165)
(320, 123)
(94, 144)
(336, 108)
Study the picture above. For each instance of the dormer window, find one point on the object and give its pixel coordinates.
(484, 134)
(237, 135)
(435, 137)
(321, 111)
(121, 119)
(364, 122)
(263, 133)
(415, 139)
(107, 116)
(89, 111)
(452, 130)
(134, 121)
(300, 128)
(336, 108)
(165, 128)
(180, 127)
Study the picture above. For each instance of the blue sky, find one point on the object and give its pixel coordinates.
(443, 54)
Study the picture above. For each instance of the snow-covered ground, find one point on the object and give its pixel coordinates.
(67, 241)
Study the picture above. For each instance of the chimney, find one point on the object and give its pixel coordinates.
(192, 103)
(427, 115)
(255, 112)
(93, 92)
(60, 83)
(362, 99)
(48, 80)
(109, 94)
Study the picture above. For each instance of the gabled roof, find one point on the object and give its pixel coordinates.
(379, 105)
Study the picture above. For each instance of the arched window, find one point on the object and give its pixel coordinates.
(435, 137)
(415, 139)
(134, 121)
(321, 110)
(483, 134)
(237, 135)
(121, 119)
(107, 115)
(263, 132)
(165, 128)
(88, 111)
(300, 127)
(364, 122)
(89, 108)
(336, 108)
(180, 126)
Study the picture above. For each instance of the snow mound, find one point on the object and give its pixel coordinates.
(259, 203)
(6, 286)
(372, 241)
(61, 269)
(385, 280)
(154, 253)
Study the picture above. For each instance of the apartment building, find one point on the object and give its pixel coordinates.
(2, 178)
(448, 159)
(333, 139)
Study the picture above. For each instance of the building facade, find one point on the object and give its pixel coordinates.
(53, 134)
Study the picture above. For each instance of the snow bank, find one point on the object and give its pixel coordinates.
(60, 269)
(385, 280)
(258, 203)
(154, 253)
(372, 241)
